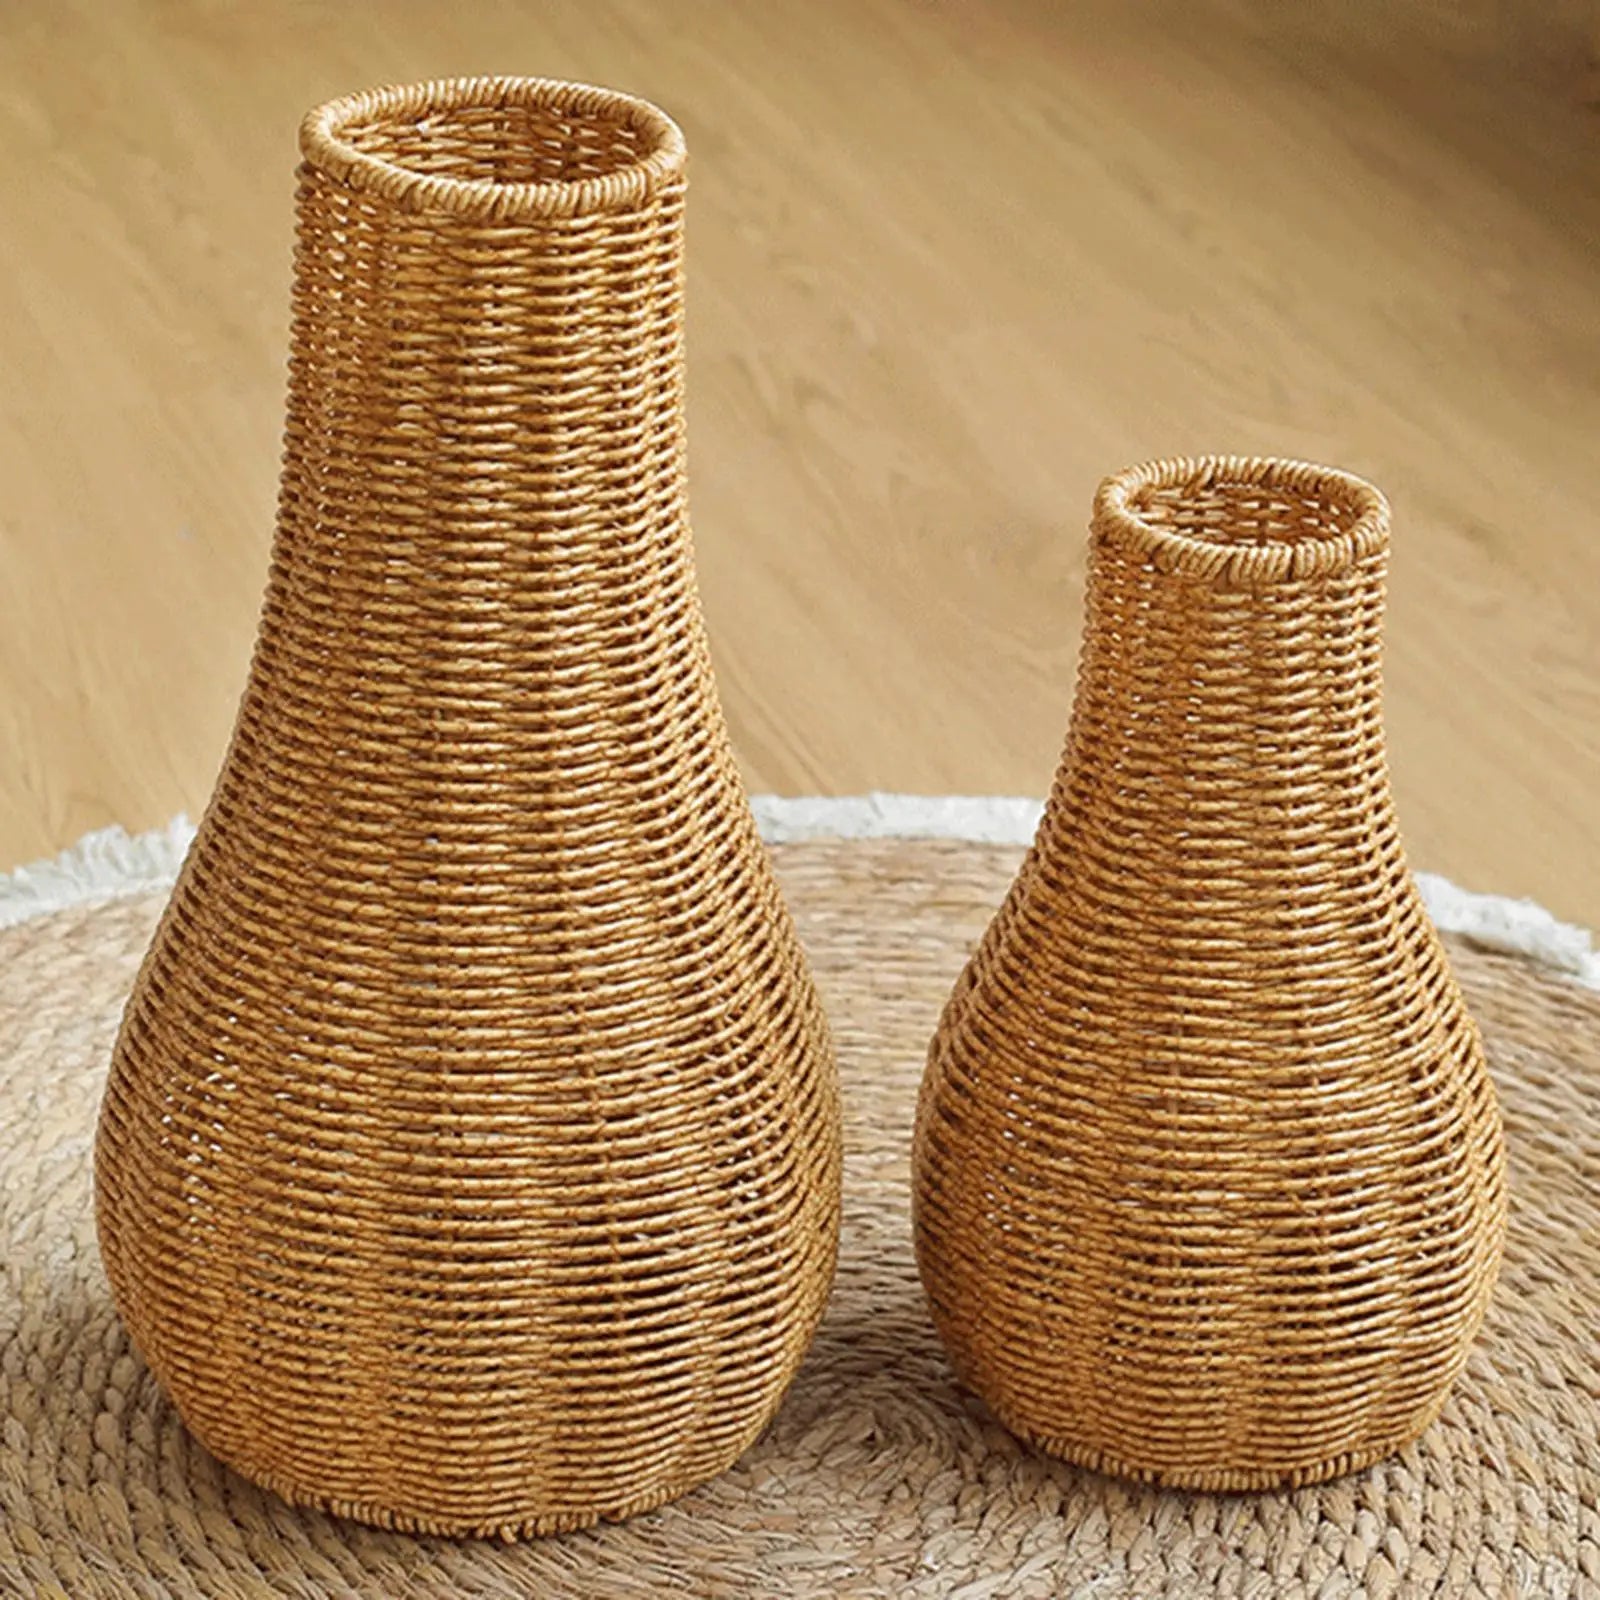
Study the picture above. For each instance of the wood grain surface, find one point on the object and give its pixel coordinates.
(950, 263)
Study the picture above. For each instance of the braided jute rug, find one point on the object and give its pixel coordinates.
(879, 1477)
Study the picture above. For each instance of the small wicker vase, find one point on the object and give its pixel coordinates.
(1208, 1172)
(470, 1157)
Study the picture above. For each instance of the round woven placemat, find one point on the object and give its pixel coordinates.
(880, 1477)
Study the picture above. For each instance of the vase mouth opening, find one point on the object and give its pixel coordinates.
(497, 149)
(1243, 519)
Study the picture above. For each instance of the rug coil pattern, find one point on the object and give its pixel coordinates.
(879, 1476)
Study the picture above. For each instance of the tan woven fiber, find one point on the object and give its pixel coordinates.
(880, 1477)
(1208, 1167)
(469, 1160)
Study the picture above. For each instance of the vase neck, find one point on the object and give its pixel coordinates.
(471, 404)
(482, 551)
(1202, 698)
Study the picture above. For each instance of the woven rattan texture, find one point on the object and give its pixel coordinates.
(469, 1159)
(881, 1477)
(1209, 1171)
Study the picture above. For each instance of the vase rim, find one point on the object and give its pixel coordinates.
(1350, 524)
(325, 144)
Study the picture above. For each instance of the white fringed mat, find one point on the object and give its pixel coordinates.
(880, 1477)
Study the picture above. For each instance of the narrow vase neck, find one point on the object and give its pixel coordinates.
(486, 349)
(482, 554)
(1231, 670)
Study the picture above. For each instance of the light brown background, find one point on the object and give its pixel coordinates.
(950, 263)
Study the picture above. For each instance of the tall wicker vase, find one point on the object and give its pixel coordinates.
(470, 1156)
(1209, 1182)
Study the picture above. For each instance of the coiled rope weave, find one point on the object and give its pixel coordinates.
(1209, 1173)
(880, 1476)
(470, 1159)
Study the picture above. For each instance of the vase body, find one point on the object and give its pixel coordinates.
(469, 1160)
(1209, 1183)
